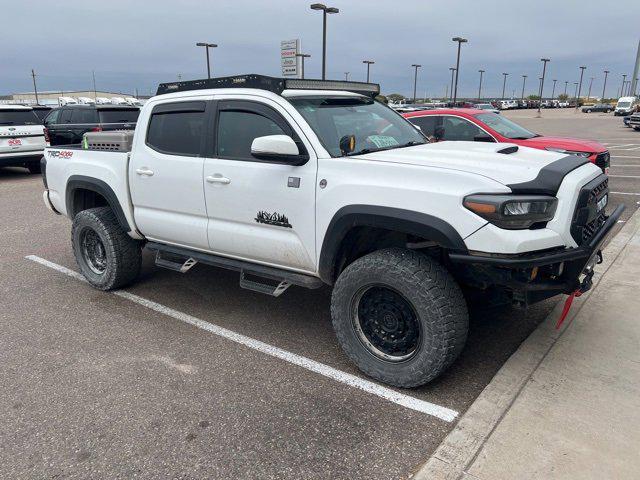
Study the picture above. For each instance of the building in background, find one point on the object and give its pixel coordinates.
(50, 97)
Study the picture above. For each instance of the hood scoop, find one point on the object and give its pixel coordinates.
(508, 150)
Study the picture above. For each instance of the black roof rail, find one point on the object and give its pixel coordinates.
(272, 84)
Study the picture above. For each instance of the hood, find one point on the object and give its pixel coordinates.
(575, 144)
(473, 157)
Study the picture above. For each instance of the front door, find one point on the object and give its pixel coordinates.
(262, 211)
(165, 174)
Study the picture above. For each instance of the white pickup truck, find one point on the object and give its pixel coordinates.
(311, 183)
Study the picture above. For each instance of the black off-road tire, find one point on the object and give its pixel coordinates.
(436, 299)
(34, 168)
(123, 253)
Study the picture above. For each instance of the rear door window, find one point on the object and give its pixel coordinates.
(178, 128)
(65, 116)
(119, 115)
(83, 115)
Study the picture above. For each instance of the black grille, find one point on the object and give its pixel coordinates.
(587, 220)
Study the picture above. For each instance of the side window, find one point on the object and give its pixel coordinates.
(427, 124)
(456, 128)
(52, 118)
(177, 128)
(65, 116)
(84, 115)
(238, 128)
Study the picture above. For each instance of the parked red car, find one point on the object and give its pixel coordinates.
(474, 125)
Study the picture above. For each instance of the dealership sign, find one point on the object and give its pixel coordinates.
(288, 58)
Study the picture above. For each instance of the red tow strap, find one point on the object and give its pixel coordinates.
(567, 307)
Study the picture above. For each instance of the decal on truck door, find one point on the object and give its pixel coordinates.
(273, 219)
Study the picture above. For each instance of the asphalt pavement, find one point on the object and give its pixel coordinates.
(99, 385)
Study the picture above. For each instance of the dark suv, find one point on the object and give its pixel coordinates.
(66, 125)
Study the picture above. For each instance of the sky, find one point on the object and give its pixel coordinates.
(137, 44)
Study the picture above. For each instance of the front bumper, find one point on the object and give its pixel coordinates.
(535, 276)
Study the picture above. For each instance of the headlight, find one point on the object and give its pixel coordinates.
(513, 212)
(569, 152)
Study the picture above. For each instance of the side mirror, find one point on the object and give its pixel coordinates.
(483, 138)
(347, 144)
(277, 148)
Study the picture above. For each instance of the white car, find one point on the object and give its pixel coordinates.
(102, 101)
(86, 101)
(62, 101)
(311, 183)
(118, 101)
(21, 137)
(626, 106)
(134, 102)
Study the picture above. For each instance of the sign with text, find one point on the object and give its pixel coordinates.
(288, 58)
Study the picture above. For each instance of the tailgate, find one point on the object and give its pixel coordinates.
(14, 140)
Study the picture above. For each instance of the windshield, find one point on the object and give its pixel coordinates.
(374, 126)
(505, 127)
(119, 115)
(18, 117)
(624, 104)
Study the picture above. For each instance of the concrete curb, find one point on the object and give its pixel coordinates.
(458, 451)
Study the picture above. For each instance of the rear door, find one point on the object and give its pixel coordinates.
(261, 211)
(82, 120)
(165, 174)
(118, 118)
(60, 131)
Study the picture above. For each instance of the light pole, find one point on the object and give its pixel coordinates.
(504, 83)
(575, 95)
(590, 85)
(460, 41)
(604, 86)
(453, 69)
(544, 70)
(624, 80)
(369, 63)
(35, 89)
(524, 79)
(346, 76)
(566, 84)
(325, 10)
(415, 79)
(582, 69)
(302, 57)
(480, 86)
(207, 46)
(553, 91)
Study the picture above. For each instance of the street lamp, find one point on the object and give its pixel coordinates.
(624, 80)
(604, 86)
(544, 70)
(553, 92)
(590, 85)
(575, 95)
(504, 83)
(460, 41)
(325, 10)
(566, 84)
(346, 75)
(524, 79)
(480, 86)
(369, 63)
(582, 69)
(207, 46)
(453, 69)
(302, 57)
(415, 79)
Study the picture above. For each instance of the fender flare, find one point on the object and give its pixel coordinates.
(396, 219)
(77, 182)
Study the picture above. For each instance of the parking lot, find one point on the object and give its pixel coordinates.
(189, 376)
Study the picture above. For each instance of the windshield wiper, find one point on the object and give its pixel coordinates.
(390, 147)
(410, 144)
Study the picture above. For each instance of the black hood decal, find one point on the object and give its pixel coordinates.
(550, 177)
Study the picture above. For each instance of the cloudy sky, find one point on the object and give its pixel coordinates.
(137, 44)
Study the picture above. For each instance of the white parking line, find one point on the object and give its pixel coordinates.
(406, 401)
(624, 176)
(625, 156)
(625, 193)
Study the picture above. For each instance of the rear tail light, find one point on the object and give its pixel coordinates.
(96, 129)
(47, 138)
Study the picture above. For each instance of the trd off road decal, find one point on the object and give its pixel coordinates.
(60, 153)
(273, 219)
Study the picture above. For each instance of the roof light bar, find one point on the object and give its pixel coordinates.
(272, 84)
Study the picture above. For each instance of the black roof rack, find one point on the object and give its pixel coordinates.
(273, 84)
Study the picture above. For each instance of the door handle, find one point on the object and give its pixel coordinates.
(144, 171)
(217, 178)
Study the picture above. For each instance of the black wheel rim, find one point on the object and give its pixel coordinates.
(386, 323)
(93, 251)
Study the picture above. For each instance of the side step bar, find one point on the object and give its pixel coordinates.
(182, 259)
